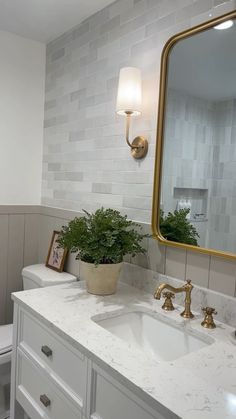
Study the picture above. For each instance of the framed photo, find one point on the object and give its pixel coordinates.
(56, 255)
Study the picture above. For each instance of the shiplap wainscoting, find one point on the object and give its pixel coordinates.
(19, 239)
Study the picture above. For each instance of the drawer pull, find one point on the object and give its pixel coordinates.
(45, 400)
(46, 351)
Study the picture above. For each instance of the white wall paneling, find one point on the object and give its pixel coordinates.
(18, 247)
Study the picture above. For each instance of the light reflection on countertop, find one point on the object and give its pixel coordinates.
(232, 404)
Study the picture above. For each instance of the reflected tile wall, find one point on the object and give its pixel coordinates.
(200, 152)
(188, 147)
(221, 204)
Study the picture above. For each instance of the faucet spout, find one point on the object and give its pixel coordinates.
(187, 288)
(162, 287)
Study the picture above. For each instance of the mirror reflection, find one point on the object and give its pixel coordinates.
(198, 187)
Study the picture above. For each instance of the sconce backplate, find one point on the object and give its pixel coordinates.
(139, 147)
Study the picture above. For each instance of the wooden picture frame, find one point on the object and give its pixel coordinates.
(56, 255)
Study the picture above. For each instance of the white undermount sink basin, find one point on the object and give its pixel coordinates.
(155, 337)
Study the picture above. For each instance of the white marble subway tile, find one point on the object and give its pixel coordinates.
(116, 8)
(139, 215)
(175, 262)
(142, 258)
(156, 256)
(129, 39)
(99, 18)
(108, 49)
(134, 11)
(194, 9)
(101, 188)
(137, 202)
(197, 268)
(160, 24)
(222, 275)
(144, 190)
(110, 24)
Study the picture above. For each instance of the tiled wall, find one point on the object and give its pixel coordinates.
(86, 160)
(199, 153)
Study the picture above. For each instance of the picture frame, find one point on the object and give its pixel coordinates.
(56, 255)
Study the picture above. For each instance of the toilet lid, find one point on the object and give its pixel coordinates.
(5, 338)
(45, 277)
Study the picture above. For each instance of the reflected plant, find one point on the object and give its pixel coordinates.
(177, 228)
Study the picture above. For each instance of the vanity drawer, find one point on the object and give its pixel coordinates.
(64, 364)
(38, 396)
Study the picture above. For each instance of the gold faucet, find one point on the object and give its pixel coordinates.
(187, 288)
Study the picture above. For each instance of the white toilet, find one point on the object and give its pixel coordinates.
(34, 276)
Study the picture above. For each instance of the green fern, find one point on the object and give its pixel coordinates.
(103, 237)
(176, 227)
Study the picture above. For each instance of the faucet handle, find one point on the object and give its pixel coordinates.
(189, 284)
(168, 305)
(209, 310)
(208, 321)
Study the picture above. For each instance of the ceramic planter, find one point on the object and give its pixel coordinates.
(100, 279)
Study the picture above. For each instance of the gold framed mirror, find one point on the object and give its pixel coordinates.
(194, 195)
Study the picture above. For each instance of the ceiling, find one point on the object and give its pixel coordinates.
(204, 65)
(45, 20)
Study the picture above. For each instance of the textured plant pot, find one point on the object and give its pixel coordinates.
(100, 279)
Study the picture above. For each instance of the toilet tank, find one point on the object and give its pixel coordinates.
(39, 276)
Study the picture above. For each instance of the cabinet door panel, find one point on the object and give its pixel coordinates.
(110, 400)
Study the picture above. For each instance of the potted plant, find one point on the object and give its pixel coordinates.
(101, 240)
(177, 228)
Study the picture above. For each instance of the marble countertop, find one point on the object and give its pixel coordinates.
(201, 384)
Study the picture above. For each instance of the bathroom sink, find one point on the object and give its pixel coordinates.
(155, 337)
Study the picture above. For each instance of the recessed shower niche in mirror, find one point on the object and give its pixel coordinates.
(194, 201)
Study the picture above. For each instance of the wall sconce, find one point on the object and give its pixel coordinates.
(129, 101)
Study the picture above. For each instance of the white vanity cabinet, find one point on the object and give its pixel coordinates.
(53, 380)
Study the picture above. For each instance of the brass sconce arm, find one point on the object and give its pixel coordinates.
(127, 129)
(139, 146)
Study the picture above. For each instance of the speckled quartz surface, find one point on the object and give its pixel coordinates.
(201, 384)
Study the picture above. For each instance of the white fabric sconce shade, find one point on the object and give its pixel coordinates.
(129, 103)
(129, 97)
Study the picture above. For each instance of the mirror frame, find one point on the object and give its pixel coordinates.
(160, 136)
